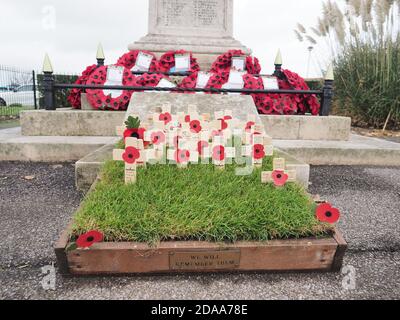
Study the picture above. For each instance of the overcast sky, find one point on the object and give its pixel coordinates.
(70, 31)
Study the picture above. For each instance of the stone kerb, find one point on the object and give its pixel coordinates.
(330, 128)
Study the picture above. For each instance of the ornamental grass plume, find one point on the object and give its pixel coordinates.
(322, 27)
(316, 31)
(355, 5)
(301, 28)
(362, 38)
(298, 36)
(311, 39)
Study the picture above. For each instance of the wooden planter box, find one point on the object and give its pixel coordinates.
(120, 258)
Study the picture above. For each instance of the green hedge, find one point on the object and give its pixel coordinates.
(61, 95)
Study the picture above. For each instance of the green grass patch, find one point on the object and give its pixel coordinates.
(197, 203)
(13, 110)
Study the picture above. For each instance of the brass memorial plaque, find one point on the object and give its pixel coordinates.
(205, 260)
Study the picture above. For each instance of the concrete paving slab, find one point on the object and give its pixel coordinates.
(6, 134)
(359, 150)
(74, 122)
(332, 128)
(16, 147)
(103, 123)
(88, 168)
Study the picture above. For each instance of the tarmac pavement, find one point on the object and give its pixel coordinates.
(37, 201)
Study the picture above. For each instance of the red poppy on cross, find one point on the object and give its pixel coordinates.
(279, 176)
(132, 155)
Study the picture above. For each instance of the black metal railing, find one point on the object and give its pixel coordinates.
(18, 91)
(50, 86)
(182, 90)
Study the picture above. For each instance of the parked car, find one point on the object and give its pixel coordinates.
(21, 95)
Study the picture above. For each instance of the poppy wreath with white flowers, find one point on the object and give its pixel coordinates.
(74, 97)
(128, 60)
(167, 61)
(224, 62)
(99, 100)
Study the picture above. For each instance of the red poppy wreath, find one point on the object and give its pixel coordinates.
(74, 97)
(305, 103)
(285, 104)
(167, 61)
(128, 60)
(215, 81)
(249, 82)
(252, 83)
(224, 62)
(150, 80)
(278, 104)
(99, 100)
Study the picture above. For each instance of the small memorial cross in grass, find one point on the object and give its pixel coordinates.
(134, 152)
(132, 155)
(279, 176)
(193, 138)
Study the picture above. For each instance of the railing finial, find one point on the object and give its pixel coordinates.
(48, 84)
(329, 73)
(278, 65)
(327, 90)
(278, 59)
(100, 55)
(47, 66)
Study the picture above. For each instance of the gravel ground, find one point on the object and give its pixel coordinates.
(37, 200)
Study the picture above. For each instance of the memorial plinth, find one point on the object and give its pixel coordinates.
(204, 27)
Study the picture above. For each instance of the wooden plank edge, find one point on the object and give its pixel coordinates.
(107, 248)
(340, 251)
(62, 242)
(59, 250)
(204, 245)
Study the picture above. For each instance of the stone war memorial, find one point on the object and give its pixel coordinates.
(203, 27)
(189, 155)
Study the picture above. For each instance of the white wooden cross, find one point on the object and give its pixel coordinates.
(133, 155)
(280, 176)
(261, 147)
(206, 117)
(179, 141)
(158, 139)
(220, 153)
